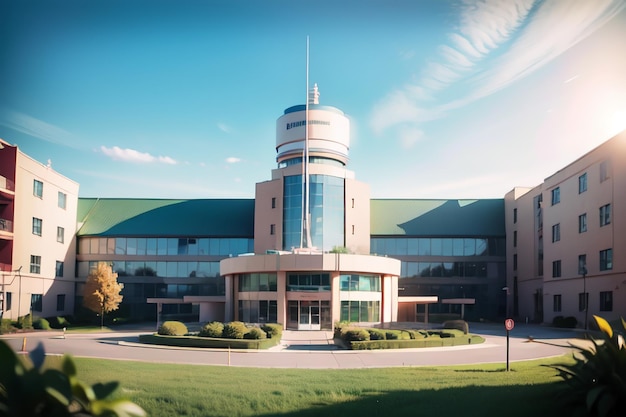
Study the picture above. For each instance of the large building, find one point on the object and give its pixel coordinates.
(312, 248)
(566, 240)
(37, 237)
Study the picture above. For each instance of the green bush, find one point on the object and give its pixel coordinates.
(6, 326)
(234, 330)
(350, 334)
(457, 324)
(595, 383)
(173, 328)
(207, 342)
(25, 322)
(58, 322)
(273, 330)
(41, 324)
(255, 334)
(339, 325)
(397, 335)
(376, 334)
(212, 329)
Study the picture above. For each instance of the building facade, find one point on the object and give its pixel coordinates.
(566, 240)
(37, 237)
(312, 248)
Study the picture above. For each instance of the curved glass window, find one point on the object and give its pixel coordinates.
(360, 283)
(312, 282)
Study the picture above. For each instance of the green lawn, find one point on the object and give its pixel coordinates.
(467, 391)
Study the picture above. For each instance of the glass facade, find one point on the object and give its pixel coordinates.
(310, 282)
(326, 205)
(257, 282)
(164, 269)
(258, 311)
(142, 246)
(436, 246)
(360, 311)
(360, 283)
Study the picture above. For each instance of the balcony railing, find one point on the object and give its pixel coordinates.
(6, 225)
(6, 184)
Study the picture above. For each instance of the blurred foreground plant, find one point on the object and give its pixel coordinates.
(28, 389)
(596, 382)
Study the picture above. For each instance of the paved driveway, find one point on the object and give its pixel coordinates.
(308, 349)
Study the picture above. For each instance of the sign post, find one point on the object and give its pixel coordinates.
(508, 325)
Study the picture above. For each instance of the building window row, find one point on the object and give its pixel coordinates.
(163, 269)
(164, 246)
(308, 282)
(605, 219)
(606, 301)
(258, 311)
(37, 226)
(257, 282)
(356, 282)
(360, 311)
(606, 263)
(451, 269)
(438, 246)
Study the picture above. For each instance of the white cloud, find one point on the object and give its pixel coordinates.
(37, 128)
(223, 127)
(232, 160)
(131, 155)
(494, 44)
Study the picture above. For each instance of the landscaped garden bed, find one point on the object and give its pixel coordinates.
(453, 333)
(233, 335)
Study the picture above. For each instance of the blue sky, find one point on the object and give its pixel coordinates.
(179, 99)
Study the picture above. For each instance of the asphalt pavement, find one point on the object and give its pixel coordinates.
(307, 349)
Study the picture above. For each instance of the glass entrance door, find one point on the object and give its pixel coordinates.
(309, 315)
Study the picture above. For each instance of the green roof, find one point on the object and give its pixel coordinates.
(437, 217)
(156, 217)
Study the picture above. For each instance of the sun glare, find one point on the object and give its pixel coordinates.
(618, 122)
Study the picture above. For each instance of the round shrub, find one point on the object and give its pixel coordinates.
(273, 330)
(173, 328)
(353, 334)
(212, 329)
(255, 333)
(234, 330)
(41, 324)
(58, 322)
(376, 334)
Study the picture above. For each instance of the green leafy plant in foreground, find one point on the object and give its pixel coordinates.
(28, 389)
(596, 381)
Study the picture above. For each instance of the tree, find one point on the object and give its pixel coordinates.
(102, 291)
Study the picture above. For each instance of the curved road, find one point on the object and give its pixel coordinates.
(307, 349)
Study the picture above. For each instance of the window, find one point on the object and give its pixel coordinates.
(60, 302)
(556, 232)
(9, 301)
(605, 215)
(38, 188)
(556, 196)
(272, 229)
(35, 264)
(515, 238)
(514, 215)
(582, 223)
(60, 234)
(556, 303)
(582, 183)
(582, 264)
(606, 259)
(606, 300)
(515, 262)
(556, 269)
(59, 269)
(583, 299)
(605, 169)
(36, 303)
(62, 200)
(273, 202)
(37, 226)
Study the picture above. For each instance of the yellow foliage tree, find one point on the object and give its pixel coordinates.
(102, 291)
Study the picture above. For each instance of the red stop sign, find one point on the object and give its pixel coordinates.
(509, 324)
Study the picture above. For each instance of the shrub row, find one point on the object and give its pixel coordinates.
(207, 342)
(29, 322)
(232, 330)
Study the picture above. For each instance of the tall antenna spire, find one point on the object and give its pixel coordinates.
(305, 237)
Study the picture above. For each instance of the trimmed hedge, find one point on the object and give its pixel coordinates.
(255, 334)
(273, 330)
(457, 324)
(234, 330)
(41, 324)
(207, 342)
(415, 343)
(212, 329)
(173, 328)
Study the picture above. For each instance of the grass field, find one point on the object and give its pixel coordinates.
(186, 390)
